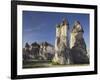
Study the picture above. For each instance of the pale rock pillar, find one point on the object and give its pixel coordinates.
(61, 43)
(78, 45)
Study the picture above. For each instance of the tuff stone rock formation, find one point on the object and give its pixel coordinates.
(46, 51)
(77, 45)
(35, 51)
(64, 52)
(62, 44)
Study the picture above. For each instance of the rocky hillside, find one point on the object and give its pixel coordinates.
(38, 51)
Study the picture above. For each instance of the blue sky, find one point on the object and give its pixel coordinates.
(41, 26)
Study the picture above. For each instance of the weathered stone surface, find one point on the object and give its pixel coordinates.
(61, 54)
(61, 44)
(78, 56)
(46, 51)
(43, 51)
(78, 46)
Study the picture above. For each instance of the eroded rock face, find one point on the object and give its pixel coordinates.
(35, 51)
(78, 46)
(61, 44)
(61, 55)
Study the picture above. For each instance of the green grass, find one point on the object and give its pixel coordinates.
(46, 63)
